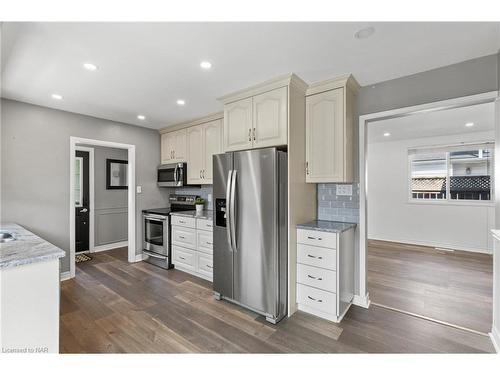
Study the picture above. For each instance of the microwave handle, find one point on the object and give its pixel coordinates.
(175, 173)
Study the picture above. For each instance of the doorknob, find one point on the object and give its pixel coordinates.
(84, 210)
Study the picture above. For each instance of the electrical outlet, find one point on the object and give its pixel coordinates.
(344, 190)
(139, 189)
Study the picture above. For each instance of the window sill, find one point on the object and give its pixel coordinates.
(452, 203)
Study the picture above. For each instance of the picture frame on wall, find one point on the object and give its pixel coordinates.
(116, 174)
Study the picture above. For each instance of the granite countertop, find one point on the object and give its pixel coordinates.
(205, 214)
(327, 226)
(28, 248)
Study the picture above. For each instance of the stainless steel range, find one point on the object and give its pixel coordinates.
(156, 226)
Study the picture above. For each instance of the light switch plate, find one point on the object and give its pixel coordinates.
(344, 190)
(139, 189)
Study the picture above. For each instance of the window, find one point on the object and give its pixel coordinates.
(451, 173)
(78, 182)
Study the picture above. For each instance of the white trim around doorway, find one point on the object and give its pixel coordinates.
(362, 298)
(73, 142)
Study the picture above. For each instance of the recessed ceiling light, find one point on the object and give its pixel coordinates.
(181, 102)
(387, 134)
(57, 96)
(90, 66)
(469, 124)
(141, 117)
(365, 33)
(206, 65)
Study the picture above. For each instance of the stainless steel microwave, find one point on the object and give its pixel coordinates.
(172, 174)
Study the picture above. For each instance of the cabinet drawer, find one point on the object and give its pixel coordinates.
(317, 256)
(317, 277)
(205, 265)
(204, 224)
(317, 299)
(183, 221)
(184, 237)
(204, 241)
(184, 257)
(317, 238)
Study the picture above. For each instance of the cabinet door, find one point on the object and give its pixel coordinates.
(325, 142)
(212, 140)
(195, 154)
(238, 125)
(166, 148)
(270, 118)
(180, 142)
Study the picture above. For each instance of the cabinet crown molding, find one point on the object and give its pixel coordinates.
(290, 79)
(334, 83)
(193, 122)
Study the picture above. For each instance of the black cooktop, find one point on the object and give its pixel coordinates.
(158, 211)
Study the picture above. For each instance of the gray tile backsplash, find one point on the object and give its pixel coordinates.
(335, 207)
(202, 191)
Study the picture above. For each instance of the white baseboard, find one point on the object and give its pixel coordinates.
(361, 301)
(434, 244)
(495, 338)
(65, 276)
(110, 246)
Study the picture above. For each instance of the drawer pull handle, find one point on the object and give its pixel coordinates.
(209, 225)
(182, 222)
(312, 256)
(182, 237)
(315, 278)
(209, 243)
(314, 238)
(182, 258)
(209, 266)
(314, 299)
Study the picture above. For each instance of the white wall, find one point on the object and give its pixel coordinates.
(392, 218)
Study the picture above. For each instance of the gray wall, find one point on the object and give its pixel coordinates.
(35, 167)
(110, 206)
(466, 78)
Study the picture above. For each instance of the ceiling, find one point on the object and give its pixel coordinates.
(144, 68)
(434, 124)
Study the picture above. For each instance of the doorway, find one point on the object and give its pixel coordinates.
(419, 268)
(78, 230)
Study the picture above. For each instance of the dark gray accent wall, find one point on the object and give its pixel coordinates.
(35, 167)
(466, 78)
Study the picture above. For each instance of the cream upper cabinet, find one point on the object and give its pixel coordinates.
(270, 118)
(325, 137)
(203, 141)
(329, 131)
(167, 147)
(195, 154)
(238, 125)
(212, 145)
(179, 146)
(173, 147)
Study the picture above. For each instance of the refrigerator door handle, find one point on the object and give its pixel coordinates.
(233, 213)
(228, 211)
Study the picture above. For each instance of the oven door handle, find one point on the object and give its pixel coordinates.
(155, 217)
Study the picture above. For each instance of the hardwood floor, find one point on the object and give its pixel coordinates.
(454, 287)
(113, 306)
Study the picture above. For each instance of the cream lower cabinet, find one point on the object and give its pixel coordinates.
(325, 272)
(203, 141)
(173, 147)
(330, 148)
(256, 122)
(192, 246)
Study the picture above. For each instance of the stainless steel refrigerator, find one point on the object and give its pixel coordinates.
(250, 230)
